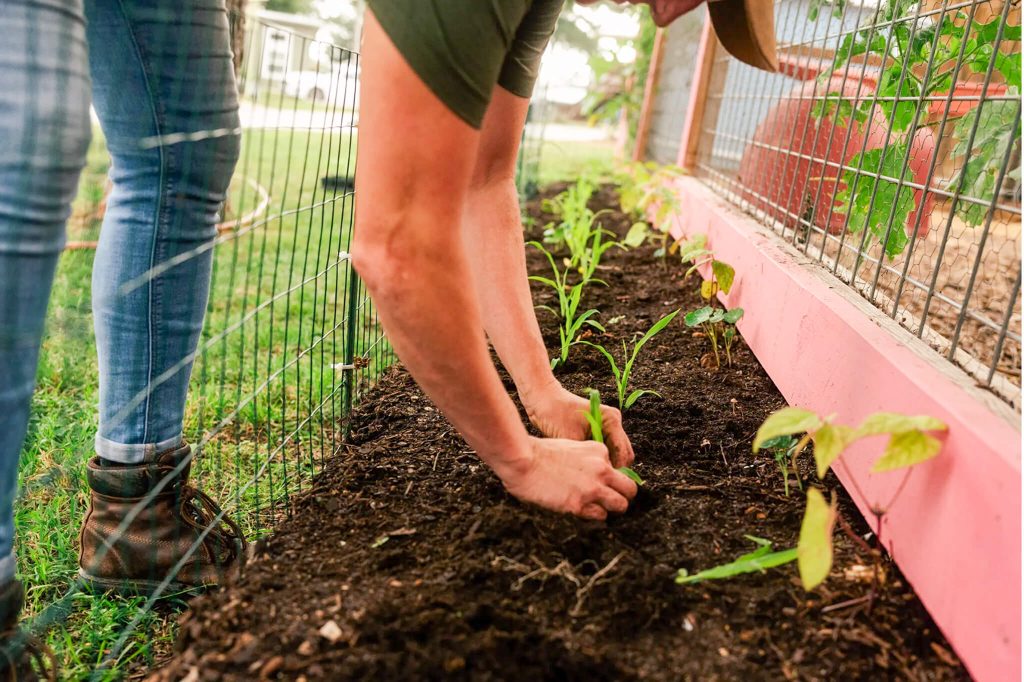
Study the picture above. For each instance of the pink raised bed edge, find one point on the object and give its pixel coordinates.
(955, 529)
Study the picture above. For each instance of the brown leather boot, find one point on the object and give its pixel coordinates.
(164, 529)
(22, 658)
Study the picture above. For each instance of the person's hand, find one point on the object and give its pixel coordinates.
(569, 476)
(557, 413)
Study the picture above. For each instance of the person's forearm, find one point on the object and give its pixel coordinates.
(494, 237)
(421, 285)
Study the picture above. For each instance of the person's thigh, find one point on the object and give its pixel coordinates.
(44, 136)
(164, 89)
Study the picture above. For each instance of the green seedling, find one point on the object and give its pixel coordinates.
(909, 444)
(719, 327)
(570, 207)
(593, 416)
(586, 243)
(629, 358)
(646, 192)
(569, 298)
(784, 449)
(758, 561)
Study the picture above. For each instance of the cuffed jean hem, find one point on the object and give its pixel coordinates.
(124, 453)
(8, 566)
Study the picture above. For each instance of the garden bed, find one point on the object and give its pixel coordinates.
(407, 559)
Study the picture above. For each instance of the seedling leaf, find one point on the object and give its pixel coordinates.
(631, 475)
(890, 422)
(814, 550)
(708, 288)
(697, 317)
(724, 275)
(829, 442)
(637, 235)
(594, 416)
(907, 449)
(757, 561)
(637, 394)
(786, 422)
(733, 316)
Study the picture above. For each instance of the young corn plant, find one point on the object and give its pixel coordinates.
(593, 416)
(570, 207)
(587, 245)
(909, 444)
(629, 358)
(572, 321)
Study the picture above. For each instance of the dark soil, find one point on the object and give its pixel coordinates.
(414, 563)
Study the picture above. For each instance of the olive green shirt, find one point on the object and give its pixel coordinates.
(461, 49)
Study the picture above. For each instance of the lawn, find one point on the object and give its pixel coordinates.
(265, 400)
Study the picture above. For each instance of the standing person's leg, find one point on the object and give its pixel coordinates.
(164, 89)
(44, 135)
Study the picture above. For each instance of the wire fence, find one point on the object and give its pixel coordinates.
(888, 150)
(290, 339)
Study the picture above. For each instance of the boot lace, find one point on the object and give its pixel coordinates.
(200, 511)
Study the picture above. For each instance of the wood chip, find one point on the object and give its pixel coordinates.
(330, 631)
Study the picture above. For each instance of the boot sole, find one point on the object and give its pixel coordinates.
(139, 588)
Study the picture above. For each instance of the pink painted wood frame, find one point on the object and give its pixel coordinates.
(955, 527)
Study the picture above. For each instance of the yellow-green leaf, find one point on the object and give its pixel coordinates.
(829, 442)
(724, 274)
(814, 550)
(786, 422)
(708, 288)
(637, 234)
(892, 422)
(907, 449)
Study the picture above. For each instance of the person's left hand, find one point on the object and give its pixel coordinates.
(557, 413)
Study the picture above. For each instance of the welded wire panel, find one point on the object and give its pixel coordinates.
(888, 149)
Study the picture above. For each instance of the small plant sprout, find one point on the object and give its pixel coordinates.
(646, 192)
(758, 561)
(569, 298)
(719, 327)
(593, 416)
(908, 444)
(783, 448)
(586, 243)
(570, 207)
(629, 358)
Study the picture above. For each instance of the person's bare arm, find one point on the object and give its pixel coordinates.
(413, 171)
(494, 238)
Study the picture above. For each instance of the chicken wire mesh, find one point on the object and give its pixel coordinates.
(888, 150)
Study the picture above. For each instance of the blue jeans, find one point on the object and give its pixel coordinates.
(154, 69)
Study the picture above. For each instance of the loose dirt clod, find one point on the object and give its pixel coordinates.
(494, 590)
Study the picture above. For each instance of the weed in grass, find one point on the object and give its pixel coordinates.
(569, 299)
(629, 358)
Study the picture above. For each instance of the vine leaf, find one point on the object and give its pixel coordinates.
(829, 442)
(786, 422)
(870, 200)
(907, 449)
(814, 550)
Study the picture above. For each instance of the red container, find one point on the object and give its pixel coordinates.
(784, 171)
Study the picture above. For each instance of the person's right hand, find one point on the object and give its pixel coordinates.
(574, 477)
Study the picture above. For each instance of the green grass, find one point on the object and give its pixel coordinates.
(569, 160)
(280, 403)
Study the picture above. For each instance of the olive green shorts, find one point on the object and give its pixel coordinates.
(461, 49)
